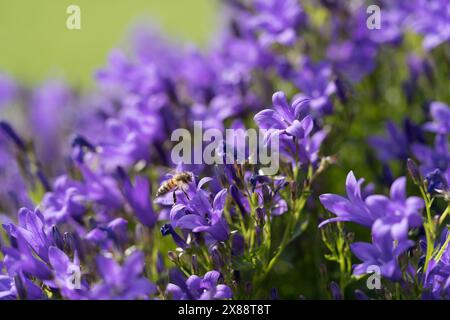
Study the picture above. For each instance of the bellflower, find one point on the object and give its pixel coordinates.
(19, 286)
(436, 182)
(67, 274)
(138, 196)
(383, 252)
(277, 20)
(353, 208)
(398, 205)
(7, 289)
(440, 113)
(112, 233)
(394, 214)
(199, 288)
(123, 282)
(65, 200)
(434, 158)
(432, 20)
(284, 118)
(437, 278)
(200, 215)
(397, 145)
(49, 114)
(316, 83)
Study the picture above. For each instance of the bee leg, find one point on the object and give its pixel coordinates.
(174, 197)
(187, 196)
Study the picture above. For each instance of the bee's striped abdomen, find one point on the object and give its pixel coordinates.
(166, 187)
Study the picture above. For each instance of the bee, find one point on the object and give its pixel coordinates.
(179, 181)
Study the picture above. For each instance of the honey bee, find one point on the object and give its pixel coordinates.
(179, 181)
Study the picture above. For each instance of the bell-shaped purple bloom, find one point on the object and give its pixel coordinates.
(21, 258)
(7, 289)
(138, 196)
(395, 214)
(398, 205)
(124, 282)
(199, 288)
(18, 286)
(432, 19)
(383, 253)
(294, 127)
(50, 114)
(436, 182)
(437, 278)
(200, 215)
(289, 119)
(316, 83)
(353, 208)
(67, 199)
(440, 113)
(276, 20)
(434, 158)
(67, 274)
(113, 233)
(397, 145)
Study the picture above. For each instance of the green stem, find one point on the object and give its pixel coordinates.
(429, 229)
(441, 251)
(444, 215)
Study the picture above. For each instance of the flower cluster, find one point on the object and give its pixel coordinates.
(90, 209)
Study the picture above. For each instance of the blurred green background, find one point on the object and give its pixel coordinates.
(35, 43)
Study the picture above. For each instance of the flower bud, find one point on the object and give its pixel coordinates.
(57, 238)
(414, 172)
(172, 256)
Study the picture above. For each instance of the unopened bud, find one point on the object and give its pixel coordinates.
(414, 172)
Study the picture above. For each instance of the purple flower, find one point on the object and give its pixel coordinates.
(198, 214)
(383, 253)
(436, 182)
(316, 83)
(199, 288)
(397, 145)
(440, 112)
(13, 188)
(353, 208)
(124, 282)
(66, 200)
(67, 274)
(432, 19)
(396, 214)
(437, 278)
(138, 196)
(276, 20)
(27, 255)
(33, 231)
(353, 57)
(293, 125)
(18, 286)
(7, 288)
(398, 206)
(113, 233)
(291, 120)
(434, 158)
(101, 188)
(50, 114)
